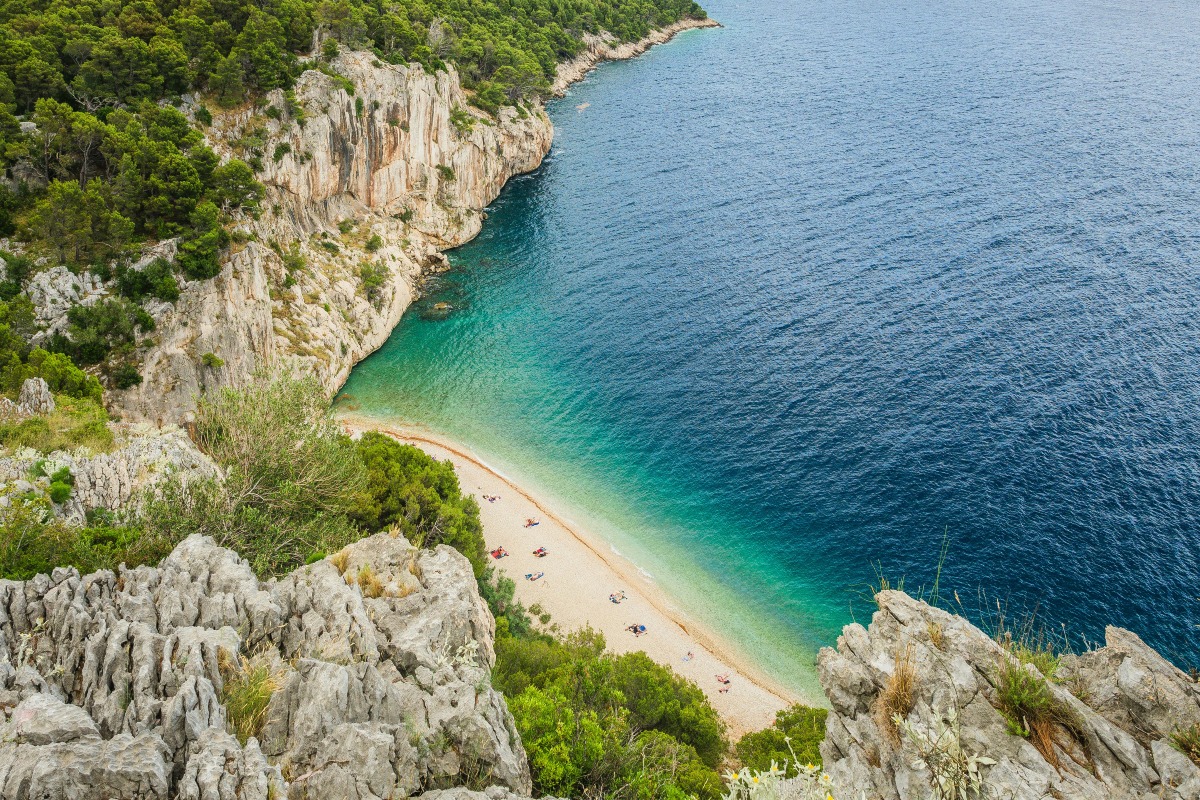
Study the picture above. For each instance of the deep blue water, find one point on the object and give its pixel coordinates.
(807, 292)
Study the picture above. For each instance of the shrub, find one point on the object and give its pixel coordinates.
(331, 247)
(281, 150)
(446, 172)
(156, 280)
(60, 492)
(373, 276)
(291, 476)
(212, 361)
(346, 226)
(374, 243)
(420, 495)
(799, 730)
(33, 542)
(590, 720)
(203, 115)
(126, 376)
(96, 331)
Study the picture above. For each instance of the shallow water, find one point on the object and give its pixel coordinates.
(809, 292)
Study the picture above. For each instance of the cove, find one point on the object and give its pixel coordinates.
(794, 299)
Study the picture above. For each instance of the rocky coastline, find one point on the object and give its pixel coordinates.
(389, 175)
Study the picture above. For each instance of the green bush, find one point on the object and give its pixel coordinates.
(291, 476)
(373, 276)
(411, 490)
(97, 331)
(60, 492)
(591, 721)
(374, 243)
(801, 727)
(33, 542)
(212, 361)
(156, 280)
(446, 172)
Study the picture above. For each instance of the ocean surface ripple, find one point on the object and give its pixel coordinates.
(792, 299)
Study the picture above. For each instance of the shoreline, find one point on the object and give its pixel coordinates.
(600, 49)
(580, 573)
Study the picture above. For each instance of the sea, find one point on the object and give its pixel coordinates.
(847, 290)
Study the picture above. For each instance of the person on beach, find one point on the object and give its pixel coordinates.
(499, 553)
(529, 523)
(541, 552)
(617, 597)
(690, 655)
(533, 576)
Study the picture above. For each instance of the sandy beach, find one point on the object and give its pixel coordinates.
(580, 573)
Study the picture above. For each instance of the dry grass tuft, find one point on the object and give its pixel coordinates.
(899, 694)
(340, 561)
(369, 582)
(937, 637)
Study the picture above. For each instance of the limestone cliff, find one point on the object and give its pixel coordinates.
(1109, 714)
(387, 161)
(404, 158)
(119, 685)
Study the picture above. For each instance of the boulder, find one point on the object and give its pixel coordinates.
(35, 398)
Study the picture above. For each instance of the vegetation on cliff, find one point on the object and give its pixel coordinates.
(296, 488)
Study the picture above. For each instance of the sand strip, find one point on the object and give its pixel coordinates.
(581, 572)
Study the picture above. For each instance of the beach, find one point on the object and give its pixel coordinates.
(580, 573)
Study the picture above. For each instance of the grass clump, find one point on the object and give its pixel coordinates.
(899, 693)
(1030, 710)
(369, 582)
(249, 685)
(1187, 741)
(75, 422)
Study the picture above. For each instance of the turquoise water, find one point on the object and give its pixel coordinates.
(805, 293)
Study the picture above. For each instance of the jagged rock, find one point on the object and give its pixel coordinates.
(44, 719)
(1132, 699)
(119, 679)
(143, 456)
(55, 290)
(9, 409)
(35, 398)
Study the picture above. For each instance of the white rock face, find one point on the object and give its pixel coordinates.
(35, 398)
(144, 455)
(54, 291)
(116, 681)
(387, 161)
(1124, 701)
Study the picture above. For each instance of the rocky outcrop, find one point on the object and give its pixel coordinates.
(143, 455)
(35, 398)
(606, 47)
(361, 196)
(1114, 711)
(375, 662)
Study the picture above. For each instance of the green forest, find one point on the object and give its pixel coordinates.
(97, 158)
